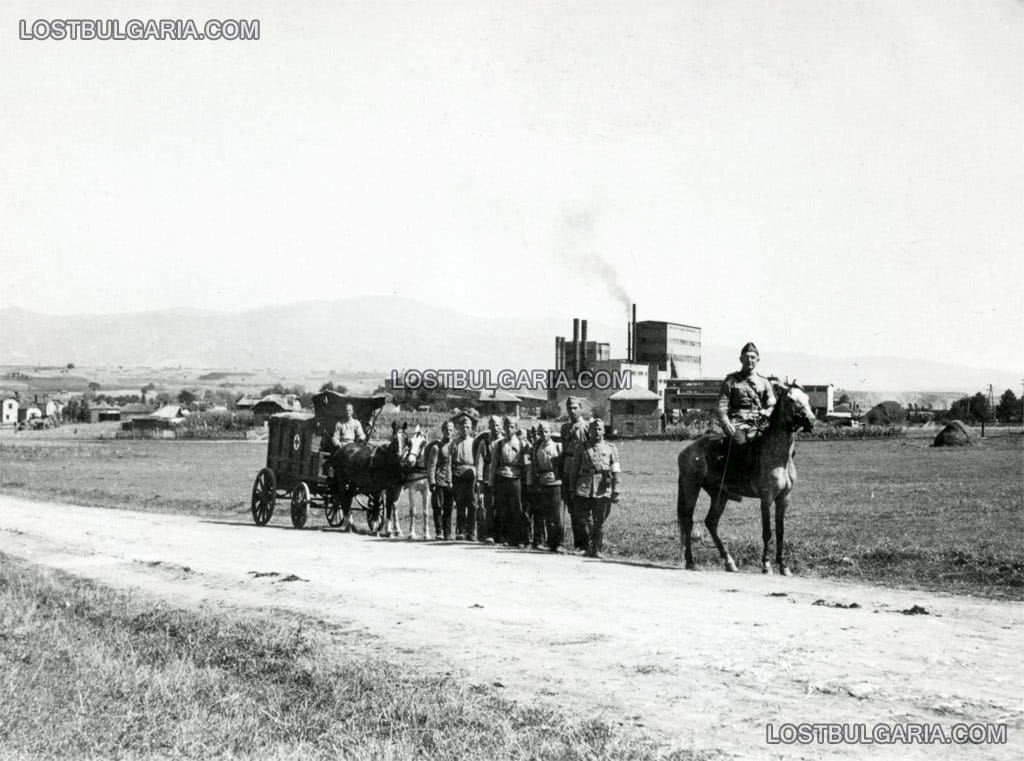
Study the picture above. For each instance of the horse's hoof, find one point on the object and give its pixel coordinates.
(766, 568)
(691, 566)
(413, 537)
(784, 570)
(730, 565)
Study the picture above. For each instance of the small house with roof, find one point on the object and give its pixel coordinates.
(636, 412)
(102, 412)
(495, 401)
(9, 411)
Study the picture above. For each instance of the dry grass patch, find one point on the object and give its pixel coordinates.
(86, 672)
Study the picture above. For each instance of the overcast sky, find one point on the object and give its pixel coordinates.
(829, 177)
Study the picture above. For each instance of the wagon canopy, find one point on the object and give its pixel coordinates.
(329, 405)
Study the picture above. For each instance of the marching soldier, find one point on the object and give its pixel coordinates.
(439, 478)
(595, 474)
(574, 436)
(546, 468)
(464, 477)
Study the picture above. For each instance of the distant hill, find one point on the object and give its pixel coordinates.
(376, 334)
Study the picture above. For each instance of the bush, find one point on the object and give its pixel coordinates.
(824, 431)
(216, 425)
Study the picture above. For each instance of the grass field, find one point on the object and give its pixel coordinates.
(892, 511)
(86, 672)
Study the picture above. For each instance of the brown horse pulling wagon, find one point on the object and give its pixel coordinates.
(300, 469)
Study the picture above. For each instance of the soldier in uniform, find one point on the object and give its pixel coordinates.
(574, 437)
(505, 479)
(464, 476)
(595, 474)
(746, 399)
(744, 404)
(546, 468)
(439, 479)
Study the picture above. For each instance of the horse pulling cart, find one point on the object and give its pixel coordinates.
(300, 466)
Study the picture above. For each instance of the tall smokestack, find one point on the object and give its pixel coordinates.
(629, 342)
(559, 353)
(635, 352)
(583, 344)
(575, 346)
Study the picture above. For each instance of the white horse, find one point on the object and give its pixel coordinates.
(412, 447)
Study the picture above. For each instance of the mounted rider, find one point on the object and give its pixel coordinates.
(745, 402)
(746, 399)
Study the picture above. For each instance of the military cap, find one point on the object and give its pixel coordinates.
(460, 416)
(748, 347)
(571, 399)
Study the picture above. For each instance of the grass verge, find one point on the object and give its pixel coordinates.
(88, 672)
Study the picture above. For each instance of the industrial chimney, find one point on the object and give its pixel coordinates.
(575, 346)
(632, 333)
(583, 345)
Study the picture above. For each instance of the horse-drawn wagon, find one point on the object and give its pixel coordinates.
(301, 466)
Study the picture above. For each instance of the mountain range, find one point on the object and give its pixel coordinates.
(382, 333)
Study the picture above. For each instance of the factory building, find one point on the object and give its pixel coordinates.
(673, 347)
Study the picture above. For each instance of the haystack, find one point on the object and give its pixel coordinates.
(886, 413)
(955, 434)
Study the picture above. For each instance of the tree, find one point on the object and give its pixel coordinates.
(94, 386)
(1008, 410)
(186, 397)
(961, 410)
(844, 398)
(981, 409)
(71, 366)
(973, 409)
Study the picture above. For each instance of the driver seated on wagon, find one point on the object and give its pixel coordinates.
(745, 401)
(347, 429)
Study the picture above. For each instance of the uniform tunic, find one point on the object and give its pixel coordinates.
(742, 397)
(596, 471)
(595, 482)
(574, 436)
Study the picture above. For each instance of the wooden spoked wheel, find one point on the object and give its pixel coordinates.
(264, 495)
(300, 505)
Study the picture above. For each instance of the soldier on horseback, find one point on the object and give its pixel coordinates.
(746, 399)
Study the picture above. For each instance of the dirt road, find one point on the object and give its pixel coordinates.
(704, 660)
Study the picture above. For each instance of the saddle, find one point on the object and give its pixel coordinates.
(731, 462)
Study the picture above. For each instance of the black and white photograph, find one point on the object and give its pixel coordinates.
(504, 381)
